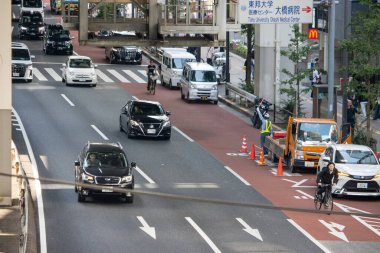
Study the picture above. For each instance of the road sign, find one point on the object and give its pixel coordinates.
(275, 11)
(312, 34)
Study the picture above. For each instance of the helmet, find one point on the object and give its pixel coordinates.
(266, 115)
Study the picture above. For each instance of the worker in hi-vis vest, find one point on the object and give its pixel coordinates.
(266, 128)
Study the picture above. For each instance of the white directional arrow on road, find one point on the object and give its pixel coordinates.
(249, 230)
(299, 183)
(338, 233)
(151, 231)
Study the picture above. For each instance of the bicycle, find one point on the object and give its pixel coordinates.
(326, 198)
(152, 80)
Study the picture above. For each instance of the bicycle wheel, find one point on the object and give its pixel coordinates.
(329, 201)
(154, 87)
(317, 202)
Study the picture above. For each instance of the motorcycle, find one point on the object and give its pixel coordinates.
(263, 106)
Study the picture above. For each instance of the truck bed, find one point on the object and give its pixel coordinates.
(276, 146)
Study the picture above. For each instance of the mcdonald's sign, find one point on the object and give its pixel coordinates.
(312, 34)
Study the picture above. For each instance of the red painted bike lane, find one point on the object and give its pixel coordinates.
(221, 132)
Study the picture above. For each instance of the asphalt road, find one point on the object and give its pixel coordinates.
(59, 120)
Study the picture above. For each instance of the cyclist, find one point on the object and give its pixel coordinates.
(150, 72)
(327, 176)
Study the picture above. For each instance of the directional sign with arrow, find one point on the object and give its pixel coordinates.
(249, 230)
(151, 231)
(307, 9)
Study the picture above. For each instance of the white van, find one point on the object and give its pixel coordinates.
(199, 82)
(172, 65)
(32, 6)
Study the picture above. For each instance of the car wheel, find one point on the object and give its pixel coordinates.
(187, 97)
(128, 133)
(71, 52)
(162, 80)
(139, 62)
(29, 80)
(129, 199)
(170, 84)
(293, 168)
(112, 59)
(215, 102)
(182, 96)
(120, 126)
(81, 198)
(167, 137)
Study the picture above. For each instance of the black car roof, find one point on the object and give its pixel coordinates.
(104, 147)
(146, 102)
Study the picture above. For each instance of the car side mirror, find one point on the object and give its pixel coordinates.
(133, 165)
(32, 57)
(168, 113)
(96, 66)
(326, 159)
(76, 163)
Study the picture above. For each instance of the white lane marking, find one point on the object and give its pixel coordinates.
(203, 234)
(103, 76)
(99, 132)
(135, 98)
(75, 53)
(306, 195)
(183, 134)
(53, 74)
(151, 231)
(35, 87)
(67, 100)
(196, 185)
(118, 76)
(37, 185)
(338, 232)
(39, 75)
(134, 76)
(143, 72)
(142, 173)
(237, 175)
(252, 231)
(311, 238)
(56, 186)
(298, 184)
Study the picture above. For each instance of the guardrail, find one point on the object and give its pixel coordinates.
(239, 95)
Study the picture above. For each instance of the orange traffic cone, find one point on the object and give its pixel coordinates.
(244, 148)
(262, 159)
(252, 155)
(279, 168)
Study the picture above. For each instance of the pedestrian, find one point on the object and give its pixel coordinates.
(351, 111)
(316, 80)
(377, 109)
(266, 127)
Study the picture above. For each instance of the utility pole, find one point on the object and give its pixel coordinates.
(331, 56)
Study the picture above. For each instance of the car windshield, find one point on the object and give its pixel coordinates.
(32, 3)
(318, 132)
(202, 76)
(80, 63)
(352, 156)
(147, 109)
(110, 159)
(29, 19)
(177, 63)
(60, 37)
(20, 54)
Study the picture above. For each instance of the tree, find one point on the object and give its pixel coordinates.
(249, 30)
(298, 50)
(363, 47)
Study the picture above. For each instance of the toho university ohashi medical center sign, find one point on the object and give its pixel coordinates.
(275, 11)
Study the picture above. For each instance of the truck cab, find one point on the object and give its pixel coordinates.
(305, 140)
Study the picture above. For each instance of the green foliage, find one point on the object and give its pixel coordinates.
(298, 49)
(363, 47)
(105, 10)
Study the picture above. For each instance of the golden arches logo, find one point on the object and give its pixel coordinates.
(312, 34)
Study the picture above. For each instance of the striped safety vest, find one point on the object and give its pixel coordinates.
(268, 126)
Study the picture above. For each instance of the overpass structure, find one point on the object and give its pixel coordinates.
(192, 23)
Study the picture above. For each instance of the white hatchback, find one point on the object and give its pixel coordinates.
(79, 70)
(359, 169)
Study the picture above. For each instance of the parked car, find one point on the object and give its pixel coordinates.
(124, 54)
(79, 70)
(143, 118)
(57, 40)
(22, 67)
(31, 25)
(106, 166)
(359, 169)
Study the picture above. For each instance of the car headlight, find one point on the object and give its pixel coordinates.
(377, 175)
(93, 74)
(126, 179)
(71, 73)
(50, 42)
(24, 28)
(166, 124)
(29, 66)
(214, 87)
(134, 123)
(87, 178)
(67, 43)
(343, 174)
(193, 86)
(299, 155)
(41, 29)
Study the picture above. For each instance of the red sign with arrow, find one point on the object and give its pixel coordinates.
(307, 9)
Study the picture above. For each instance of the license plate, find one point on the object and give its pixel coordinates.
(82, 80)
(16, 74)
(309, 164)
(151, 131)
(107, 190)
(204, 98)
(362, 185)
(60, 48)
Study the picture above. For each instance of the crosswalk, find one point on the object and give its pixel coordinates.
(106, 74)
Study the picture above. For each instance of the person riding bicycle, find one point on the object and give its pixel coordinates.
(150, 72)
(328, 175)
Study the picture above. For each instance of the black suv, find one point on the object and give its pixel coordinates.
(142, 118)
(124, 54)
(105, 166)
(57, 40)
(31, 25)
